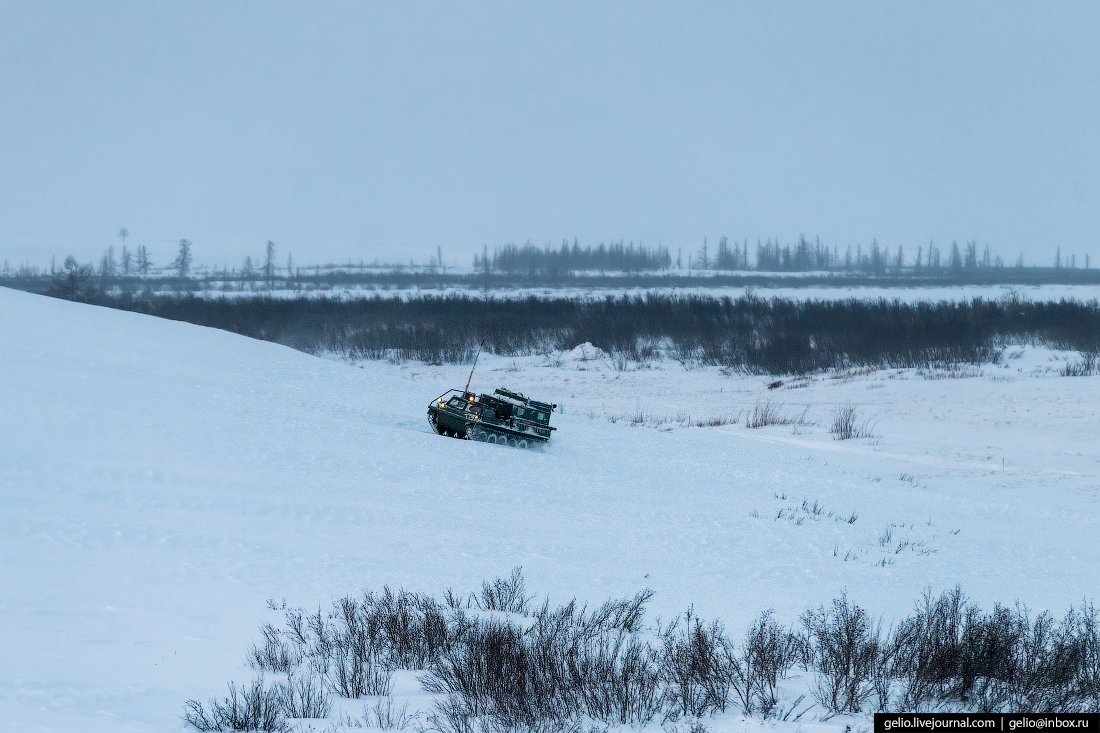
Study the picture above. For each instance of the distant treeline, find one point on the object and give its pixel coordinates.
(618, 265)
(747, 334)
(536, 261)
(769, 256)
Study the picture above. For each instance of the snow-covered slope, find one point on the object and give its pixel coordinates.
(159, 481)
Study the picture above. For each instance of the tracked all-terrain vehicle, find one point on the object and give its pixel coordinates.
(504, 417)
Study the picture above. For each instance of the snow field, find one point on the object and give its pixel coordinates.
(915, 294)
(160, 481)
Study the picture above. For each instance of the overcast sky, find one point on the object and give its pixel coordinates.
(361, 130)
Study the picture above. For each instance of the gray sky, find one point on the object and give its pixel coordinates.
(361, 130)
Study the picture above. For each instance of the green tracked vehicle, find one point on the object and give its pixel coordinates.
(504, 417)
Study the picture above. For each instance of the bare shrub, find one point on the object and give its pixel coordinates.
(506, 594)
(413, 627)
(278, 653)
(566, 664)
(496, 670)
(846, 426)
(570, 662)
(695, 667)
(1086, 366)
(254, 708)
(305, 696)
(768, 413)
(685, 351)
(618, 680)
(951, 653)
(625, 614)
(841, 648)
(360, 638)
(766, 655)
(451, 716)
(356, 667)
(844, 423)
(1087, 680)
(728, 418)
(389, 717)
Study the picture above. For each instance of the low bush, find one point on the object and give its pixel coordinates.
(695, 667)
(846, 425)
(556, 667)
(305, 696)
(507, 595)
(1086, 366)
(766, 655)
(950, 653)
(386, 716)
(255, 708)
(768, 413)
(841, 647)
(569, 662)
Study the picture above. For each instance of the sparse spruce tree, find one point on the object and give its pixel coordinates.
(143, 263)
(107, 263)
(722, 261)
(269, 263)
(182, 263)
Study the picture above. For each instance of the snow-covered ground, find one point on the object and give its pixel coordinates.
(160, 481)
(1083, 293)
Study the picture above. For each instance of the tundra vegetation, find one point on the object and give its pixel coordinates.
(746, 334)
(497, 661)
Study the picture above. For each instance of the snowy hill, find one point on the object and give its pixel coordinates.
(160, 481)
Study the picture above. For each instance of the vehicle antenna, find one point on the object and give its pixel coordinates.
(479, 347)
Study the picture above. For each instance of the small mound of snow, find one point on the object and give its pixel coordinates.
(1037, 360)
(584, 352)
